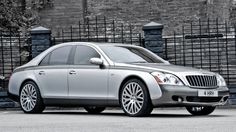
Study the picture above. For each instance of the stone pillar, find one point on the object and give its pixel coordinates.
(153, 38)
(40, 40)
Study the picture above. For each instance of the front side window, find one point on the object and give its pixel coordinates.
(83, 54)
(58, 56)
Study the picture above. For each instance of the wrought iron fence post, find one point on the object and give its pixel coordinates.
(96, 27)
(88, 31)
(10, 37)
(184, 50)
(175, 48)
(166, 49)
(105, 29)
(200, 40)
(130, 34)
(235, 40)
(226, 51)
(3, 61)
(71, 33)
(192, 46)
(113, 30)
(122, 33)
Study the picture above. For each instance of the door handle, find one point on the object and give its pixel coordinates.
(72, 72)
(41, 73)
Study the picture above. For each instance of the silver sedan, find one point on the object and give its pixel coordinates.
(96, 76)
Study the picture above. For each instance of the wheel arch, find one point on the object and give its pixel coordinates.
(27, 80)
(129, 78)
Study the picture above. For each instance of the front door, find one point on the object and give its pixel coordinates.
(87, 81)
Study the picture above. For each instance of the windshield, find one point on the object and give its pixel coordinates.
(122, 54)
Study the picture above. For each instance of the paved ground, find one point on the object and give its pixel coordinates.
(161, 120)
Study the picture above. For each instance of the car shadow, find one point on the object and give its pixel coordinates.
(153, 115)
(183, 116)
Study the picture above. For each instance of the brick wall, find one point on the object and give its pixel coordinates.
(233, 13)
(171, 13)
(61, 14)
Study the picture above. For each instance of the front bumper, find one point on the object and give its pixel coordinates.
(186, 96)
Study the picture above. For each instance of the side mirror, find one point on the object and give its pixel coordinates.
(96, 61)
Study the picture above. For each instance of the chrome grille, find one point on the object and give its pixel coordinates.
(202, 81)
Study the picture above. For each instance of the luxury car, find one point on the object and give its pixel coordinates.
(99, 75)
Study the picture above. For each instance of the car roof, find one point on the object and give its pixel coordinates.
(96, 44)
(38, 58)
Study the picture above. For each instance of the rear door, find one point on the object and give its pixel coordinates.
(52, 73)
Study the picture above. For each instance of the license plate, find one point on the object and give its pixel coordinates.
(208, 93)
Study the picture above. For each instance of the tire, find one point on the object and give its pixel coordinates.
(30, 98)
(134, 99)
(201, 110)
(94, 109)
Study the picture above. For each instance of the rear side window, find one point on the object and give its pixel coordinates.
(58, 56)
(83, 54)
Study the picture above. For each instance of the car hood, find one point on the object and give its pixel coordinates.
(169, 68)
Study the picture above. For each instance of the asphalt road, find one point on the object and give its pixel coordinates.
(161, 120)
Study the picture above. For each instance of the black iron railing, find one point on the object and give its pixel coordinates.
(14, 51)
(209, 45)
(100, 30)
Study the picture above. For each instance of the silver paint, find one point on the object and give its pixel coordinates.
(94, 82)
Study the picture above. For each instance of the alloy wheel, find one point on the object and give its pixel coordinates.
(132, 98)
(28, 97)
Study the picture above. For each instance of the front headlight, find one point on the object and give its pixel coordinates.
(166, 78)
(220, 80)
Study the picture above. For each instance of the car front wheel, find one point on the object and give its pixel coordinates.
(30, 98)
(134, 98)
(200, 110)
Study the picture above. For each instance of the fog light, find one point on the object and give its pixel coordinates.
(180, 99)
(177, 98)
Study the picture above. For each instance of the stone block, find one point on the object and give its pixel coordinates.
(153, 37)
(40, 36)
(40, 42)
(153, 32)
(154, 43)
(156, 49)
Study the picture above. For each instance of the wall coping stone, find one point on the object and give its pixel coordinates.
(152, 25)
(40, 30)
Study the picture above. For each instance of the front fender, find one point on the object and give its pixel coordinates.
(116, 77)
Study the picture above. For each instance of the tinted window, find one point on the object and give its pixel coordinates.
(60, 56)
(45, 60)
(83, 54)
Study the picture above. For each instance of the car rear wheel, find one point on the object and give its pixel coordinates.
(134, 98)
(30, 98)
(200, 110)
(94, 109)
